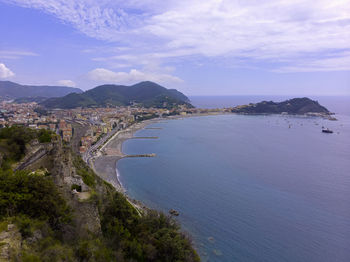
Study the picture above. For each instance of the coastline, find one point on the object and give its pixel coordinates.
(104, 164)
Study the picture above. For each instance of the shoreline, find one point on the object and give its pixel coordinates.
(105, 166)
(105, 163)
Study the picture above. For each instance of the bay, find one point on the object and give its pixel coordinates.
(249, 188)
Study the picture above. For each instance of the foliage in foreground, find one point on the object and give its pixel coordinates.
(31, 195)
(33, 202)
(13, 141)
(154, 237)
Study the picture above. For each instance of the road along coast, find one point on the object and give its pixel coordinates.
(104, 163)
(106, 157)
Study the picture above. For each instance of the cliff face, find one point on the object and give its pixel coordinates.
(58, 162)
(63, 166)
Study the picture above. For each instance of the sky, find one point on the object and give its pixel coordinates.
(211, 47)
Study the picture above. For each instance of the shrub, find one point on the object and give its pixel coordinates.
(32, 195)
(44, 136)
(13, 142)
(153, 237)
(84, 171)
(25, 226)
(30, 258)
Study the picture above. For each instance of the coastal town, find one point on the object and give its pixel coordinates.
(86, 127)
(90, 127)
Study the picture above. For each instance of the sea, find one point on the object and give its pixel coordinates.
(250, 188)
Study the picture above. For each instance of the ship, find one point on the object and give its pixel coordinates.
(328, 131)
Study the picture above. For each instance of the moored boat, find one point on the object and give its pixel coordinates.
(328, 131)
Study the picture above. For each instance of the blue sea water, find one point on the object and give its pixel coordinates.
(249, 188)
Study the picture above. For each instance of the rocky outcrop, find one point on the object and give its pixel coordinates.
(35, 152)
(10, 242)
(295, 106)
(58, 160)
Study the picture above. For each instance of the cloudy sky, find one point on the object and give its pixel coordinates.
(211, 47)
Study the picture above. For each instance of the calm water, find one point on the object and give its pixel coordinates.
(249, 188)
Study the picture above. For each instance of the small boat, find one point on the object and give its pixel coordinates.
(328, 131)
(173, 212)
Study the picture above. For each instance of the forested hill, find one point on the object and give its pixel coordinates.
(11, 90)
(147, 94)
(296, 106)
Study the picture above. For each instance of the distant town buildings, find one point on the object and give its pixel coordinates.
(99, 121)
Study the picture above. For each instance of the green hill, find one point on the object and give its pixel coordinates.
(296, 106)
(147, 94)
(11, 90)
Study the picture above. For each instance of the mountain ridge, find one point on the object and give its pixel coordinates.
(12, 90)
(147, 94)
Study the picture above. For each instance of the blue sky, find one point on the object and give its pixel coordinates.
(212, 47)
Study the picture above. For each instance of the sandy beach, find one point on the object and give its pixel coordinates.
(105, 162)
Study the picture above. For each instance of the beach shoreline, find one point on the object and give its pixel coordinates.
(105, 163)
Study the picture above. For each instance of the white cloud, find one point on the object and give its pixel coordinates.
(13, 54)
(131, 77)
(66, 83)
(5, 72)
(268, 31)
(333, 63)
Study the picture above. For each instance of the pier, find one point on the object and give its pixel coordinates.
(144, 137)
(116, 152)
(141, 155)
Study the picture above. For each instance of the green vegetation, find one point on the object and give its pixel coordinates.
(48, 226)
(33, 196)
(141, 118)
(152, 237)
(295, 106)
(84, 171)
(33, 203)
(13, 141)
(44, 136)
(146, 94)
